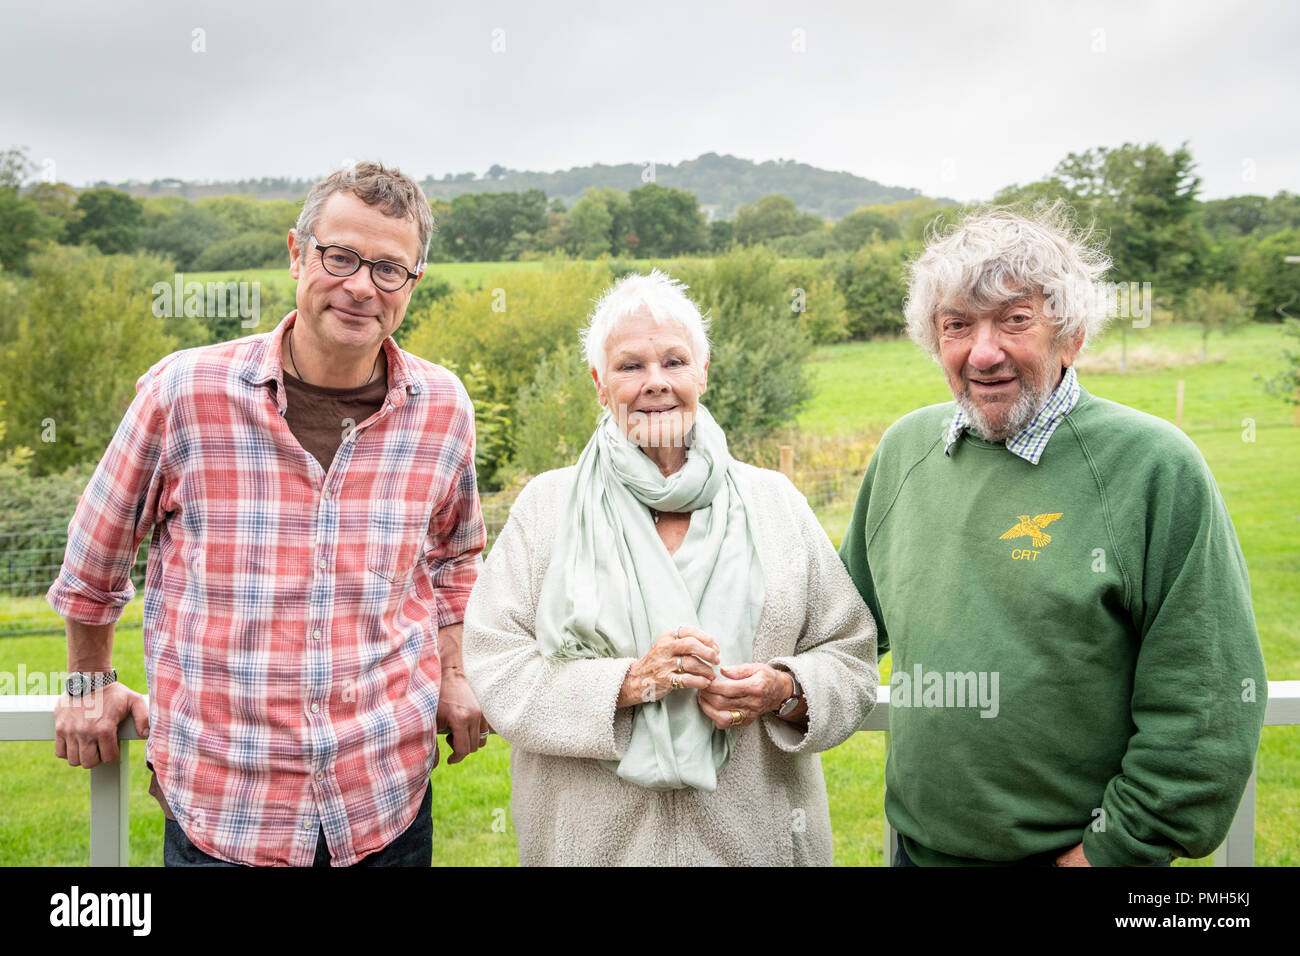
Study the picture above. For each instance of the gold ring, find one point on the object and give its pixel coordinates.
(736, 718)
(675, 684)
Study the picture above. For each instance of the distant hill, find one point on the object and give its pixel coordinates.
(721, 184)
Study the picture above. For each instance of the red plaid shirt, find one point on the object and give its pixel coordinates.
(290, 615)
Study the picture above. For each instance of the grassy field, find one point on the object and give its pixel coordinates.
(860, 387)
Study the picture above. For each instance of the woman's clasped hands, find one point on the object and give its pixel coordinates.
(687, 657)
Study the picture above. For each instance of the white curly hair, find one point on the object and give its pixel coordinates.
(996, 254)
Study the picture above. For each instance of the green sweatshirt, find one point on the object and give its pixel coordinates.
(1075, 653)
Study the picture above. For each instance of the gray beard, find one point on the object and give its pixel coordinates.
(1021, 413)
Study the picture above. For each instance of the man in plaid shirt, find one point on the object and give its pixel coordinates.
(316, 533)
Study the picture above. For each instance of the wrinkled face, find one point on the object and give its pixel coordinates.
(351, 315)
(1003, 363)
(652, 382)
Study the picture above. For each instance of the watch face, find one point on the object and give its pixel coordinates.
(75, 685)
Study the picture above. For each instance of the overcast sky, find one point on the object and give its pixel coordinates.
(955, 99)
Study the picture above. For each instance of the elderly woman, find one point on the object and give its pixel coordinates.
(664, 635)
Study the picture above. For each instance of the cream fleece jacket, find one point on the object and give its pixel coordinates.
(560, 719)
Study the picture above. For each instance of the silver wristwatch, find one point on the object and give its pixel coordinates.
(790, 703)
(78, 684)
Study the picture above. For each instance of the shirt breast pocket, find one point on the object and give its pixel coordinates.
(395, 536)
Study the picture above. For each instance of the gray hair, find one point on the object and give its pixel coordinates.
(996, 254)
(661, 297)
(395, 193)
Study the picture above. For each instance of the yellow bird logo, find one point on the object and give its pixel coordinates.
(1033, 528)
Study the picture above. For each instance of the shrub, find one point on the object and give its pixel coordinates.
(85, 332)
(248, 250)
(873, 284)
(757, 378)
(555, 413)
(505, 328)
(823, 313)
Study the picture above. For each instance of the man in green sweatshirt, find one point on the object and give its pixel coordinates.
(1077, 676)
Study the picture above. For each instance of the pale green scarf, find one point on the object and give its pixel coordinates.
(612, 587)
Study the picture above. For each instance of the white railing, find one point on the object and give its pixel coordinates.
(31, 717)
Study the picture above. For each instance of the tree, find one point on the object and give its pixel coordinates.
(665, 222)
(1235, 216)
(438, 251)
(758, 377)
(245, 214)
(249, 250)
(500, 332)
(183, 232)
(815, 244)
(1273, 283)
(1239, 216)
(722, 233)
(15, 167)
(1216, 308)
(557, 412)
(58, 201)
(484, 227)
(915, 216)
(873, 283)
(598, 223)
(110, 221)
(1285, 383)
(85, 332)
(862, 226)
(587, 228)
(1145, 201)
(23, 228)
(771, 218)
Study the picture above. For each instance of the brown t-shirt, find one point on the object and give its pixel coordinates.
(319, 418)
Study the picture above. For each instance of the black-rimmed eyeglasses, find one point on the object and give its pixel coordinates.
(342, 262)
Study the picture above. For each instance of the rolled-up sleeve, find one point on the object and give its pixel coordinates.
(114, 514)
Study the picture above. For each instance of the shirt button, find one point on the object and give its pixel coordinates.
(326, 494)
(307, 825)
(320, 775)
(322, 564)
(304, 841)
(316, 634)
(315, 708)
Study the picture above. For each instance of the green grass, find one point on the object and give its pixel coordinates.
(859, 386)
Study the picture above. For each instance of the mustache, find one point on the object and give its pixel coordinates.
(1004, 370)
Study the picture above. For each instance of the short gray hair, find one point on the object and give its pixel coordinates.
(394, 192)
(663, 298)
(997, 253)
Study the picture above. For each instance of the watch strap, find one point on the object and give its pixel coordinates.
(791, 702)
(80, 683)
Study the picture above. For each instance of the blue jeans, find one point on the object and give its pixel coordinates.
(413, 848)
(1049, 859)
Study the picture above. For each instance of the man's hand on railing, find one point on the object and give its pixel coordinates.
(85, 728)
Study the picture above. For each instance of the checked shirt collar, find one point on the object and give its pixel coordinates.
(267, 366)
(1029, 442)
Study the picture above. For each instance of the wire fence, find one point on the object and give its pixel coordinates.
(30, 555)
